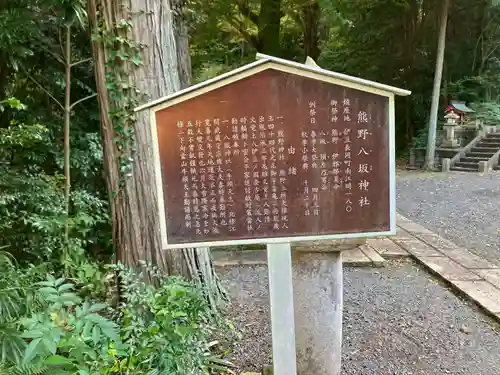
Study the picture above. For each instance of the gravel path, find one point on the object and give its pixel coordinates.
(462, 207)
(397, 321)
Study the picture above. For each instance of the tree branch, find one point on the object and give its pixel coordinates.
(81, 62)
(247, 12)
(82, 100)
(485, 59)
(251, 39)
(45, 91)
(479, 40)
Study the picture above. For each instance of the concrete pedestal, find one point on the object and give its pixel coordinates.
(445, 164)
(318, 302)
(450, 143)
(450, 140)
(489, 129)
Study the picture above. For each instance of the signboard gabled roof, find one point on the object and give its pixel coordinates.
(264, 62)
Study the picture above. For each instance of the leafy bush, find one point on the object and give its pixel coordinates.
(489, 112)
(47, 327)
(69, 335)
(32, 209)
(420, 140)
(17, 299)
(31, 202)
(169, 326)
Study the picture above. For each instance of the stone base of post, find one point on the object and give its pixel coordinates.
(318, 303)
(483, 167)
(445, 164)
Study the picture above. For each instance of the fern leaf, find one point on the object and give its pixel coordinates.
(29, 369)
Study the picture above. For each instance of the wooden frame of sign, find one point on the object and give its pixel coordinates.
(275, 152)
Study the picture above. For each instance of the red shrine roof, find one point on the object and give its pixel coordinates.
(459, 107)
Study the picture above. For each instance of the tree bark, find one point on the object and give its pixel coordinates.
(67, 118)
(412, 30)
(311, 13)
(134, 210)
(436, 92)
(182, 42)
(269, 27)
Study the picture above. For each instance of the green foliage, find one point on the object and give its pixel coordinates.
(12, 103)
(32, 212)
(17, 299)
(18, 27)
(30, 369)
(70, 11)
(208, 71)
(48, 326)
(30, 200)
(69, 335)
(489, 112)
(420, 140)
(169, 326)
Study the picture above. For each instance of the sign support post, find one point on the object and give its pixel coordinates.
(338, 293)
(279, 262)
(318, 304)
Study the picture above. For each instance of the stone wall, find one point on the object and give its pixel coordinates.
(417, 156)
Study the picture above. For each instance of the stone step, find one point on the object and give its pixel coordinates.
(474, 159)
(490, 150)
(462, 169)
(496, 167)
(493, 138)
(489, 143)
(491, 147)
(474, 165)
(485, 155)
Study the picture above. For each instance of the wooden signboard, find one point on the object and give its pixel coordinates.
(275, 157)
(277, 152)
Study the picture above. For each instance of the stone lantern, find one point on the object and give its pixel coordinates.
(451, 123)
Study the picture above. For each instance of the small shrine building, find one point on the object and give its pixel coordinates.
(456, 108)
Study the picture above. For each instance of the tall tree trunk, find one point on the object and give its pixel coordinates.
(411, 28)
(134, 202)
(67, 118)
(182, 42)
(269, 27)
(410, 128)
(311, 14)
(431, 141)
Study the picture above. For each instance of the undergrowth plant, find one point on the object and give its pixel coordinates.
(18, 299)
(168, 327)
(50, 325)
